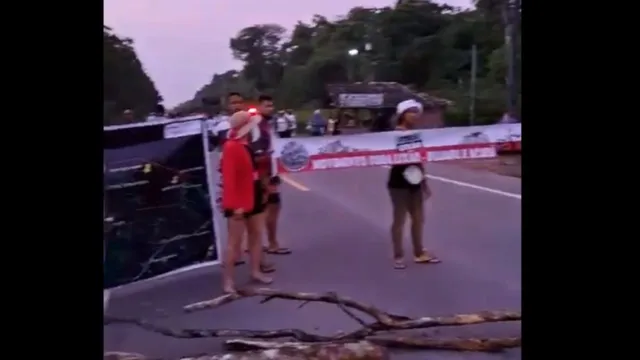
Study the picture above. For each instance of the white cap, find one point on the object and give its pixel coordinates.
(406, 105)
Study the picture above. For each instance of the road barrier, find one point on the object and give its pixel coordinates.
(158, 210)
(395, 147)
(162, 184)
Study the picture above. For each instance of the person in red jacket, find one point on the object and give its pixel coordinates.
(243, 197)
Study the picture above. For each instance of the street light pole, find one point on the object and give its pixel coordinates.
(472, 84)
(352, 62)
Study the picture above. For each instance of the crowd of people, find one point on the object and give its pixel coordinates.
(251, 197)
(250, 192)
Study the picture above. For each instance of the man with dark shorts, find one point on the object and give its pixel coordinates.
(235, 103)
(272, 183)
(242, 199)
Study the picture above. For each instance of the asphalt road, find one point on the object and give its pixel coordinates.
(337, 223)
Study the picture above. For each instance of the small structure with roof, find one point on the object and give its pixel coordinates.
(383, 97)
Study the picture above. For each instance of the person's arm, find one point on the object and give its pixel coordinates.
(294, 123)
(230, 160)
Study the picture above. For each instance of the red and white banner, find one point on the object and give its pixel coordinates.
(394, 147)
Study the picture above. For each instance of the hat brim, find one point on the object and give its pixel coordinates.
(407, 105)
(417, 109)
(254, 121)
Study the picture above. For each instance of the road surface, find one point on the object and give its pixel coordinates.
(337, 223)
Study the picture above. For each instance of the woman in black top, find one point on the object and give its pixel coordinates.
(408, 189)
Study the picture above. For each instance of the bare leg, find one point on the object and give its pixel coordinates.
(399, 205)
(416, 212)
(254, 228)
(235, 229)
(272, 213)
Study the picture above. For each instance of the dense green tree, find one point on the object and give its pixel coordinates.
(420, 43)
(125, 83)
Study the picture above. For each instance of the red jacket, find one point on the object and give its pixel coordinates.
(238, 176)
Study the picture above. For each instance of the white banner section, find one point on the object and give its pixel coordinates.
(394, 147)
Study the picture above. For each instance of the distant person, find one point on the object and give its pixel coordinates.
(159, 113)
(128, 117)
(351, 121)
(242, 198)
(318, 124)
(408, 189)
(333, 123)
(293, 122)
(507, 118)
(282, 126)
(332, 126)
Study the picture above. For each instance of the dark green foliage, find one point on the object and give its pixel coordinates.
(125, 83)
(422, 44)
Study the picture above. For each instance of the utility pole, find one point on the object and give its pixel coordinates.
(472, 84)
(511, 18)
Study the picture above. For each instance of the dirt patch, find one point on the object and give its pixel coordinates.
(509, 165)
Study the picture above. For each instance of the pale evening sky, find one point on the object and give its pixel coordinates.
(182, 43)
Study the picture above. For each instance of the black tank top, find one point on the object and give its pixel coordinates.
(252, 155)
(397, 179)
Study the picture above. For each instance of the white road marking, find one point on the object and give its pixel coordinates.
(471, 186)
(293, 183)
(477, 187)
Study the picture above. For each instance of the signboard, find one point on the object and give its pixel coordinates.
(158, 215)
(394, 147)
(360, 100)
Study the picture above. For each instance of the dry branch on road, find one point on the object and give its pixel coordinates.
(254, 340)
(362, 350)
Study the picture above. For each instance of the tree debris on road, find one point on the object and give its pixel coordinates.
(365, 342)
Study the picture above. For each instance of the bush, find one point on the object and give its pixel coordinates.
(455, 117)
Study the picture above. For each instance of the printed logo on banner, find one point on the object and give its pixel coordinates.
(183, 128)
(477, 137)
(294, 156)
(409, 142)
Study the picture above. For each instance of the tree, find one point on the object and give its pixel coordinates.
(125, 83)
(260, 48)
(419, 43)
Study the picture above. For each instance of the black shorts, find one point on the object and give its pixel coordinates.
(258, 204)
(285, 134)
(274, 198)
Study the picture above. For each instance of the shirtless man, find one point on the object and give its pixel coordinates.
(266, 109)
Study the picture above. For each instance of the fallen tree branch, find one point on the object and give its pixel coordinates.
(399, 342)
(367, 334)
(270, 294)
(362, 350)
(389, 341)
(384, 320)
(118, 355)
(214, 333)
(456, 344)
